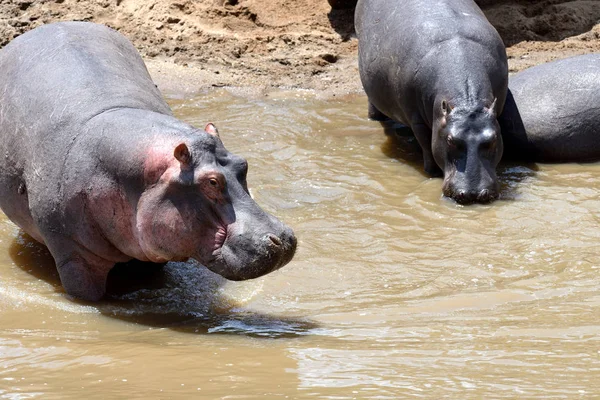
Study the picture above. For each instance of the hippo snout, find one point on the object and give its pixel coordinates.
(276, 250)
(285, 244)
(247, 254)
(469, 197)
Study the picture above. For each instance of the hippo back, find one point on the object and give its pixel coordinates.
(411, 50)
(552, 114)
(76, 63)
(54, 81)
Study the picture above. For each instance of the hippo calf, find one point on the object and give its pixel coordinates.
(439, 67)
(95, 166)
(552, 112)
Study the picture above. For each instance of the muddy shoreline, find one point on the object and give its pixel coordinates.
(260, 45)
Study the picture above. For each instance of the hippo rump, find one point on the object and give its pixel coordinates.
(439, 67)
(551, 112)
(96, 167)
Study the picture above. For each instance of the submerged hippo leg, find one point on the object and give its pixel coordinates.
(82, 279)
(423, 134)
(82, 274)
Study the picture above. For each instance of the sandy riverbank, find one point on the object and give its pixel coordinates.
(264, 44)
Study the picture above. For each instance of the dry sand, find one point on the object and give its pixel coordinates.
(190, 45)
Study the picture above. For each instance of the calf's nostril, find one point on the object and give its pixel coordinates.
(464, 197)
(486, 196)
(273, 239)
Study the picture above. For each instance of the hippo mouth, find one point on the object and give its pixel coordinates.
(238, 259)
(484, 196)
(220, 237)
(466, 197)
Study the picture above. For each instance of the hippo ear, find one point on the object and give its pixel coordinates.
(211, 129)
(182, 154)
(446, 108)
(492, 108)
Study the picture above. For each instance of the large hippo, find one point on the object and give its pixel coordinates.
(552, 112)
(439, 67)
(95, 166)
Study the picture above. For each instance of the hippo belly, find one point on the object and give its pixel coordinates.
(96, 167)
(552, 113)
(439, 67)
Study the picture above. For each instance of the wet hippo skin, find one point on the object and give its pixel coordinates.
(552, 112)
(439, 67)
(96, 167)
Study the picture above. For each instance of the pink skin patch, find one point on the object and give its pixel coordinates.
(114, 219)
(167, 232)
(156, 161)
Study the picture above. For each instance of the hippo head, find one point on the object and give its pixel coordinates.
(467, 146)
(196, 204)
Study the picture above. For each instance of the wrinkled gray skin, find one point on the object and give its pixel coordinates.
(439, 67)
(95, 166)
(552, 112)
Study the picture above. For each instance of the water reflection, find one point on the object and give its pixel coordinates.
(395, 292)
(182, 296)
(402, 145)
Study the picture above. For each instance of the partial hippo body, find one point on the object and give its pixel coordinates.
(552, 112)
(96, 167)
(439, 67)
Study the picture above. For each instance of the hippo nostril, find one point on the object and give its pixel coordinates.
(461, 197)
(486, 195)
(274, 239)
(464, 197)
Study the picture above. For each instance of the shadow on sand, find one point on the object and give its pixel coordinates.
(342, 21)
(181, 296)
(515, 20)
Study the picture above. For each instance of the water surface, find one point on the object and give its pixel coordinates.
(395, 292)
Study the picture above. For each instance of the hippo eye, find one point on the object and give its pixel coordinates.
(213, 186)
(488, 144)
(455, 144)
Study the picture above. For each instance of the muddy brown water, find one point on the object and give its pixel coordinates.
(394, 292)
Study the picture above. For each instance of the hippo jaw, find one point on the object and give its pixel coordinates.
(248, 252)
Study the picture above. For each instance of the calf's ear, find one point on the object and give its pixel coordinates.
(492, 108)
(211, 129)
(446, 108)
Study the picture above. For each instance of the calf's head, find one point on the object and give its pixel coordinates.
(467, 146)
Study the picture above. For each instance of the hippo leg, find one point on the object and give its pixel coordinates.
(423, 134)
(82, 274)
(375, 114)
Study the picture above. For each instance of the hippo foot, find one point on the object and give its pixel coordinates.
(82, 280)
